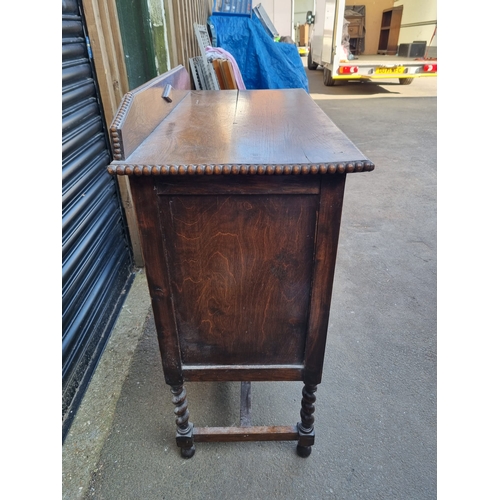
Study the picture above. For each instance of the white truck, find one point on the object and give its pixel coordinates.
(328, 49)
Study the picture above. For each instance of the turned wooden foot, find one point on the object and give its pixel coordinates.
(184, 434)
(306, 425)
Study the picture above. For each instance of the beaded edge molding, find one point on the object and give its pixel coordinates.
(115, 132)
(239, 169)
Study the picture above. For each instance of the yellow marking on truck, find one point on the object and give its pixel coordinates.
(390, 70)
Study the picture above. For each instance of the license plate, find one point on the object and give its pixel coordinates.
(390, 70)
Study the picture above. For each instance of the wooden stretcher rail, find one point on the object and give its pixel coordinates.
(255, 433)
(250, 373)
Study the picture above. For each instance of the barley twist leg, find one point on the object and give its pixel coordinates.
(184, 435)
(306, 425)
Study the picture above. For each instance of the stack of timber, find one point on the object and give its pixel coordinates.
(210, 73)
(225, 74)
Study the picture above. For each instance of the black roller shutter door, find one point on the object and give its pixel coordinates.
(96, 254)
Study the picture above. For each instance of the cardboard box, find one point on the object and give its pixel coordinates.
(303, 35)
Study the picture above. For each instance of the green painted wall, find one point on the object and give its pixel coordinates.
(143, 31)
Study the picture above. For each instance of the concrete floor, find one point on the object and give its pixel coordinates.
(376, 407)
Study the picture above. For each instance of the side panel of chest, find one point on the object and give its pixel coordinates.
(240, 256)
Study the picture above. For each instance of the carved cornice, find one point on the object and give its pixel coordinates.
(239, 169)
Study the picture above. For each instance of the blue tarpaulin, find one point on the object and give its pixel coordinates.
(263, 63)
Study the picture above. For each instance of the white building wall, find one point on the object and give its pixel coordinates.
(300, 10)
(419, 21)
(280, 13)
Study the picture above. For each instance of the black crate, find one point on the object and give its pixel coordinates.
(404, 49)
(415, 49)
(418, 49)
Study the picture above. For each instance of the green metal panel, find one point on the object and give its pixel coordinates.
(137, 40)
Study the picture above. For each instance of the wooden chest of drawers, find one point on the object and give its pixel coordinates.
(356, 26)
(239, 213)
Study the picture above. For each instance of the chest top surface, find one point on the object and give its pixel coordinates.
(234, 130)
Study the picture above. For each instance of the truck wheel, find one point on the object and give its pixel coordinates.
(327, 78)
(406, 81)
(310, 63)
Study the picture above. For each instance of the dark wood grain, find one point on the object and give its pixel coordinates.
(241, 271)
(157, 274)
(329, 217)
(242, 127)
(237, 185)
(143, 108)
(248, 372)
